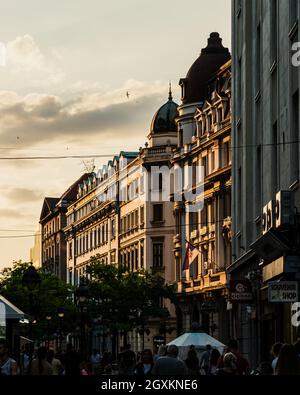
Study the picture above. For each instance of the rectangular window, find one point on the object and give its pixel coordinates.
(136, 256)
(274, 31)
(213, 161)
(157, 212)
(70, 250)
(142, 256)
(113, 228)
(275, 164)
(204, 219)
(193, 221)
(294, 11)
(157, 255)
(194, 174)
(142, 214)
(204, 165)
(295, 137)
(178, 223)
(258, 60)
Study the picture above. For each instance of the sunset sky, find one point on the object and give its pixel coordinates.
(63, 89)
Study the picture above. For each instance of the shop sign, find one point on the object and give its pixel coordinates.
(283, 292)
(240, 291)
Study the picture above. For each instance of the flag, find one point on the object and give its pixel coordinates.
(191, 254)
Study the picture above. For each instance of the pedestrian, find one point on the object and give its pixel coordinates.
(127, 361)
(105, 361)
(275, 353)
(95, 360)
(297, 347)
(56, 364)
(25, 358)
(169, 365)
(161, 352)
(205, 359)
(145, 366)
(230, 365)
(213, 363)
(40, 366)
(192, 363)
(242, 363)
(288, 363)
(71, 361)
(86, 369)
(8, 366)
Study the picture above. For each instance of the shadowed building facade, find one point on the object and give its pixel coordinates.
(265, 172)
(204, 144)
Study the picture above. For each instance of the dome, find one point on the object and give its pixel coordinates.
(194, 86)
(164, 119)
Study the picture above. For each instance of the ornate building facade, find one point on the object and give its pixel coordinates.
(52, 223)
(116, 218)
(204, 124)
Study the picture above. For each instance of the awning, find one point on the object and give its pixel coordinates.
(11, 311)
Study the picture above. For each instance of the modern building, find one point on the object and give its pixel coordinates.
(52, 223)
(204, 220)
(120, 215)
(266, 195)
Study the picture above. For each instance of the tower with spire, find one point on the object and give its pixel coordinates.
(163, 130)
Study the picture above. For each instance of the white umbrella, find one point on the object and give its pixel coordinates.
(198, 339)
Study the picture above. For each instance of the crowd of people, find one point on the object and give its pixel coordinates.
(284, 360)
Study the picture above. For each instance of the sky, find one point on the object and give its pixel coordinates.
(67, 68)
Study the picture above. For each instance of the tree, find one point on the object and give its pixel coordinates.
(126, 299)
(51, 294)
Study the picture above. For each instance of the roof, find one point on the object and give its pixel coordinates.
(127, 154)
(210, 60)
(71, 193)
(11, 311)
(164, 119)
(48, 207)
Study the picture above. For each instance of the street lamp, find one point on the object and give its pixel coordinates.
(48, 318)
(82, 296)
(61, 314)
(31, 280)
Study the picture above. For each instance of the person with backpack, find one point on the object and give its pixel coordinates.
(8, 366)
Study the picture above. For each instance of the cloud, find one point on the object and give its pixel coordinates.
(21, 195)
(36, 118)
(12, 214)
(25, 58)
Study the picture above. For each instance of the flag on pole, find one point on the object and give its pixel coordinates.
(191, 254)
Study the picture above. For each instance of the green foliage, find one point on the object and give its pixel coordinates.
(51, 294)
(126, 299)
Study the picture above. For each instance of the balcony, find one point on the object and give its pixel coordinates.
(207, 283)
(203, 231)
(194, 234)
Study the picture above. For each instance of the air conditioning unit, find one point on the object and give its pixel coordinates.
(284, 208)
(268, 219)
